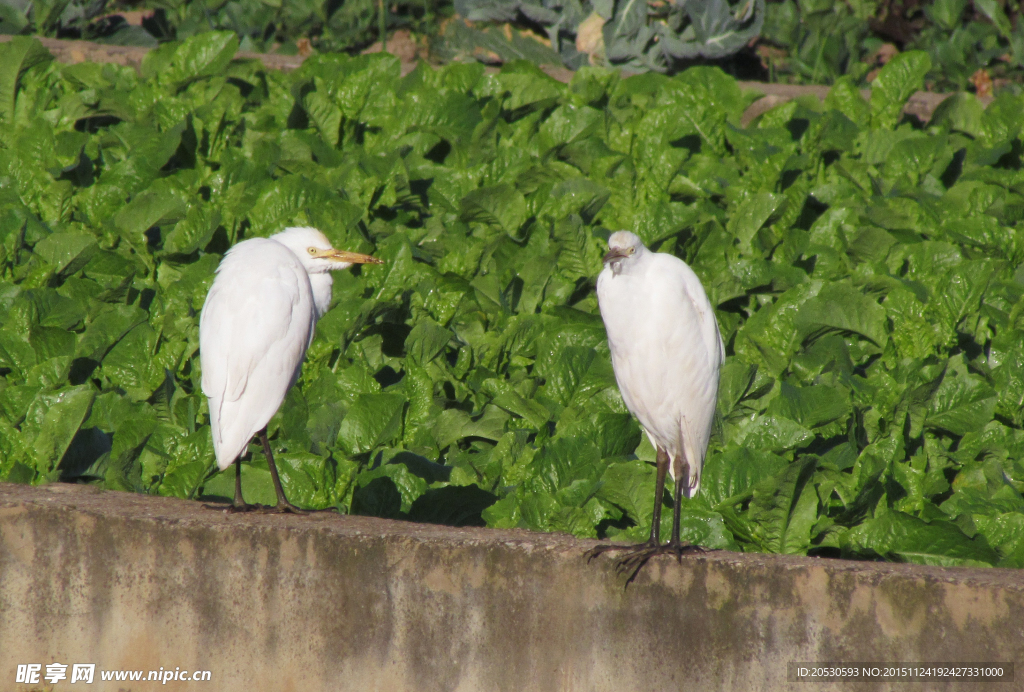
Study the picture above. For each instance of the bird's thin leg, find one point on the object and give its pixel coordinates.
(677, 498)
(239, 500)
(659, 490)
(239, 504)
(655, 539)
(635, 561)
(283, 505)
(675, 545)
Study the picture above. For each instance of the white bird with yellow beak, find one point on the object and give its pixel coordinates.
(256, 325)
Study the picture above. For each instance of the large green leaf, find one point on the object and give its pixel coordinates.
(630, 485)
(811, 406)
(901, 77)
(63, 416)
(907, 538)
(67, 252)
(193, 232)
(733, 474)
(373, 420)
(427, 341)
(841, 307)
(17, 56)
(962, 402)
(199, 56)
(501, 206)
(784, 509)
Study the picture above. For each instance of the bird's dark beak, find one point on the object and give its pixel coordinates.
(615, 254)
(352, 257)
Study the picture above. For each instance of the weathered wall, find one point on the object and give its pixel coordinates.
(350, 603)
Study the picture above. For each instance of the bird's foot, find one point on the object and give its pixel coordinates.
(633, 562)
(638, 555)
(284, 507)
(234, 508)
(610, 547)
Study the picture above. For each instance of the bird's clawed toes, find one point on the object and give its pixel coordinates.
(279, 508)
(257, 508)
(685, 549)
(634, 562)
(285, 508)
(594, 552)
(607, 548)
(233, 508)
(638, 555)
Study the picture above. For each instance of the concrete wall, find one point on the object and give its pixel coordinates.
(326, 602)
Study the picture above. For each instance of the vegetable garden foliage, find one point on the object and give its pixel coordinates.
(331, 25)
(825, 39)
(866, 272)
(636, 35)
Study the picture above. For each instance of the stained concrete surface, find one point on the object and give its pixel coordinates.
(326, 602)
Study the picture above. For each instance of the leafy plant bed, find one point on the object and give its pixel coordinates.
(977, 46)
(287, 28)
(973, 45)
(865, 272)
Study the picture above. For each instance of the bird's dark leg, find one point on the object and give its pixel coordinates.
(655, 539)
(638, 555)
(635, 561)
(675, 545)
(283, 506)
(677, 498)
(239, 504)
(659, 490)
(239, 500)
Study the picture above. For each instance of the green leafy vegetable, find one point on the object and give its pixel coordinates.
(865, 272)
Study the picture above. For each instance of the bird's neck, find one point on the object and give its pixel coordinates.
(321, 285)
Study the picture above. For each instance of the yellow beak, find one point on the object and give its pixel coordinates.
(350, 257)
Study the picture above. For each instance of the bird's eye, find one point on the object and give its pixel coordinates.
(632, 250)
(312, 250)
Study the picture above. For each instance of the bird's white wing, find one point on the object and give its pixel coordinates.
(254, 330)
(697, 419)
(666, 352)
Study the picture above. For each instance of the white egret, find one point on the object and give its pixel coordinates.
(666, 353)
(254, 330)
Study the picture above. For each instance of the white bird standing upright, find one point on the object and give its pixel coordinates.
(254, 330)
(666, 352)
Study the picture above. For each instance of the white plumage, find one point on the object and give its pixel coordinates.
(666, 352)
(255, 327)
(666, 349)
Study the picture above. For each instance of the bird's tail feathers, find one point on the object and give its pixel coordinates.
(693, 486)
(694, 448)
(228, 444)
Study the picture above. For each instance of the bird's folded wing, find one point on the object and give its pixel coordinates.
(667, 352)
(255, 328)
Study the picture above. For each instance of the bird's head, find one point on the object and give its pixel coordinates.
(315, 252)
(624, 248)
